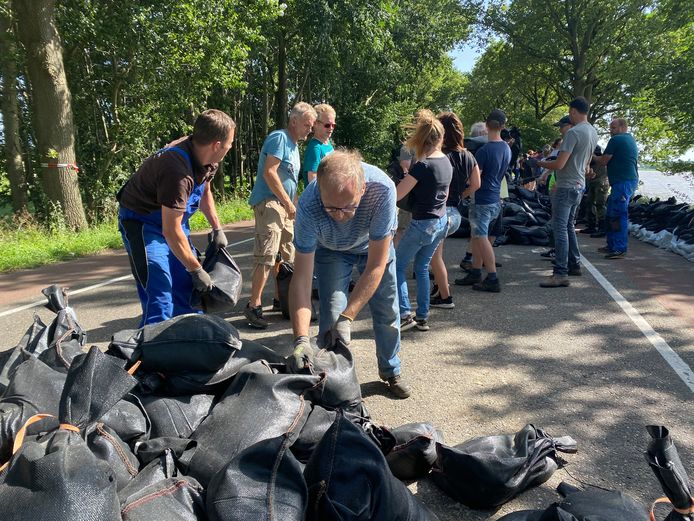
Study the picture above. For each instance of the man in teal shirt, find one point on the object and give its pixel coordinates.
(621, 157)
(273, 198)
(319, 146)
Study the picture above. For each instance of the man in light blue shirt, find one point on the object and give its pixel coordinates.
(345, 219)
(272, 199)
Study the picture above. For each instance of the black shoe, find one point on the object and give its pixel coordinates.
(255, 317)
(422, 324)
(616, 255)
(550, 254)
(589, 231)
(492, 286)
(575, 272)
(276, 305)
(598, 235)
(469, 279)
(466, 265)
(497, 264)
(398, 386)
(443, 303)
(407, 323)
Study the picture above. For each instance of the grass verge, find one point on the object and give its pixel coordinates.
(33, 246)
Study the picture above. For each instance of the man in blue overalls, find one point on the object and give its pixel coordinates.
(155, 206)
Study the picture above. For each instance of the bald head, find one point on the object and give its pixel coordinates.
(618, 126)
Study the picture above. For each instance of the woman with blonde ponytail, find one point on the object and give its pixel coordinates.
(426, 186)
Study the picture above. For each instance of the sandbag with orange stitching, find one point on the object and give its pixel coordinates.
(665, 462)
(33, 388)
(54, 476)
(160, 492)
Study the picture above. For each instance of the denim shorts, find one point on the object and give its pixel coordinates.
(481, 215)
(454, 220)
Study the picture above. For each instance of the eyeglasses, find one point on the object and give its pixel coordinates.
(328, 125)
(348, 210)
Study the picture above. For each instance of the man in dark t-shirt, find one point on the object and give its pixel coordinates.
(493, 160)
(155, 206)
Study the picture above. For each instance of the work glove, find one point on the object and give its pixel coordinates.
(218, 238)
(301, 359)
(201, 280)
(341, 330)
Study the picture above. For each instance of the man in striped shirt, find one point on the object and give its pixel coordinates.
(345, 219)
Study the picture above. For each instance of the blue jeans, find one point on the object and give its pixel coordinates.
(565, 201)
(617, 214)
(334, 271)
(454, 220)
(481, 216)
(419, 242)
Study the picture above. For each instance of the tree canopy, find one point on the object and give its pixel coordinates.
(137, 73)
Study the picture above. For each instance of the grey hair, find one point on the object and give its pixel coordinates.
(302, 109)
(478, 129)
(340, 170)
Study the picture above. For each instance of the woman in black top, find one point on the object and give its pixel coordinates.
(426, 187)
(465, 180)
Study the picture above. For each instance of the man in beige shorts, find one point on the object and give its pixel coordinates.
(273, 199)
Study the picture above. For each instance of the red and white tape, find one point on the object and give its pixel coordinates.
(72, 166)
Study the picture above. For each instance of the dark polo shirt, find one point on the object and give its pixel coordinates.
(165, 179)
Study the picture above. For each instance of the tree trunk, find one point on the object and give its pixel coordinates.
(10, 110)
(281, 94)
(52, 106)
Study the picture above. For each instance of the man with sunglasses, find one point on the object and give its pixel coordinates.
(319, 146)
(345, 219)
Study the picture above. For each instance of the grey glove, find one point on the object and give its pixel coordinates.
(301, 360)
(201, 279)
(218, 238)
(341, 330)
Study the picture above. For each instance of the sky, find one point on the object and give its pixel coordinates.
(464, 59)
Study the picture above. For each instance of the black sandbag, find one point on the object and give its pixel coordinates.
(226, 282)
(106, 445)
(129, 419)
(177, 416)
(317, 424)
(194, 353)
(341, 389)
(259, 404)
(56, 344)
(415, 451)
(264, 481)
(348, 480)
(284, 279)
(33, 388)
(160, 492)
(665, 462)
(586, 505)
(488, 471)
(54, 476)
(181, 448)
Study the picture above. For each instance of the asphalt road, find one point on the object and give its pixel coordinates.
(569, 360)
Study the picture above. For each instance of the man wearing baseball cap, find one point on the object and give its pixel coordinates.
(571, 164)
(493, 160)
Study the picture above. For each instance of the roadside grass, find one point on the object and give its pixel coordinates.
(29, 245)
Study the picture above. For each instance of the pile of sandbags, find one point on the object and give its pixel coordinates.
(184, 420)
(665, 224)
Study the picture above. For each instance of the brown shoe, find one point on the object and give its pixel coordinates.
(398, 386)
(555, 281)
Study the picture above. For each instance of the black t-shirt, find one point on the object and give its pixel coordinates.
(429, 195)
(165, 179)
(463, 162)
